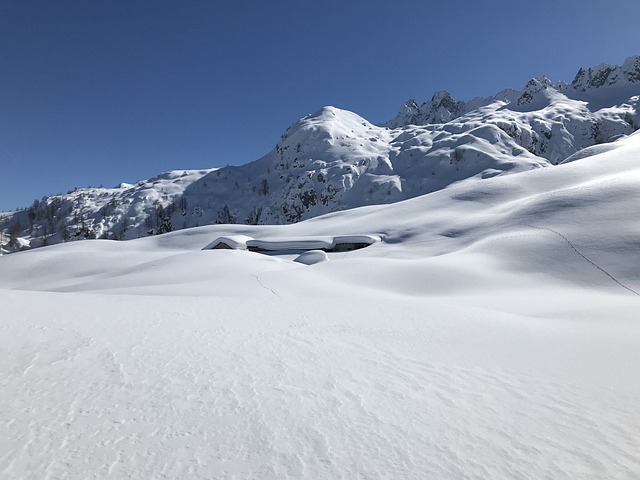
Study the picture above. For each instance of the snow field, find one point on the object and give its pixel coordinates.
(316, 388)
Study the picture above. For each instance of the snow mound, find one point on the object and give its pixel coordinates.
(590, 151)
(312, 257)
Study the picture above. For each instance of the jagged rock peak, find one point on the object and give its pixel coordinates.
(443, 99)
(533, 86)
(440, 109)
(606, 75)
(631, 69)
(411, 103)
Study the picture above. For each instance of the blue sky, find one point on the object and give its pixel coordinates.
(103, 91)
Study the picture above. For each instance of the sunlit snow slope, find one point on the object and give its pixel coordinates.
(493, 333)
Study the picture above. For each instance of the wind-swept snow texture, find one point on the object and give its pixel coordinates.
(492, 333)
(334, 160)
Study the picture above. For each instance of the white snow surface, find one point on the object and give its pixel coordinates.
(493, 333)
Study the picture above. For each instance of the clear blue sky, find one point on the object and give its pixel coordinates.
(102, 91)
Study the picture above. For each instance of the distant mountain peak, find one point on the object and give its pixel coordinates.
(326, 111)
(607, 75)
(440, 109)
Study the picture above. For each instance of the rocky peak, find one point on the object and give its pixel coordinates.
(532, 88)
(411, 104)
(607, 75)
(595, 77)
(444, 100)
(440, 109)
(631, 69)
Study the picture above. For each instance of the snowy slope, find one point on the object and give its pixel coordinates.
(583, 208)
(492, 334)
(334, 160)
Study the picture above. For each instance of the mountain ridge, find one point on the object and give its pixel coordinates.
(334, 159)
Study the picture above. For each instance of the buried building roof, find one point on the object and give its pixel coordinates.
(231, 242)
(341, 243)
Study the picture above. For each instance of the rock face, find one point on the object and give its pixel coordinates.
(334, 160)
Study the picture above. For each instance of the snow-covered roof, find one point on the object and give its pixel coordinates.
(243, 242)
(236, 242)
(310, 243)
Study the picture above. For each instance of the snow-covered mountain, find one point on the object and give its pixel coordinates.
(335, 160)
(550, 120)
